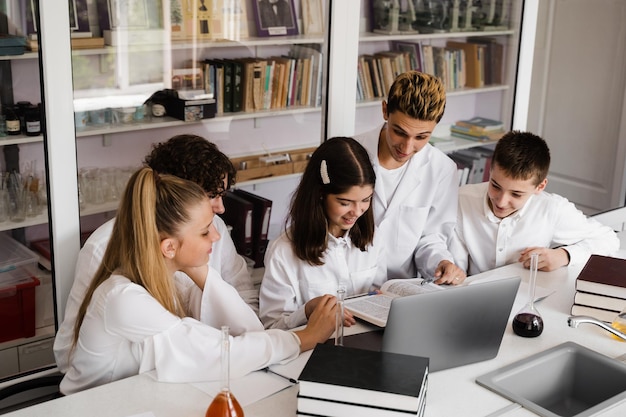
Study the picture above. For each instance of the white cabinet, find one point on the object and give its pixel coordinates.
(577, 99)
(68, 149)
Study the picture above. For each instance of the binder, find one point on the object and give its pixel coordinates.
(261, 213)
(238, 214)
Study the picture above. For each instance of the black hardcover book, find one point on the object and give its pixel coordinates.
(238, 214)
(261, 214)
(365, 377)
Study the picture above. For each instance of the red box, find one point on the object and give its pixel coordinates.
(17, 309)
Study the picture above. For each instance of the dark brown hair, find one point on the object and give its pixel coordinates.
(523, 155)
(347, 164)
(193, 158)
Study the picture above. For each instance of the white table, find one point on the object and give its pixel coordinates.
(452, 392)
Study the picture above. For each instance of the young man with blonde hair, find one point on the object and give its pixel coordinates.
(415, 198)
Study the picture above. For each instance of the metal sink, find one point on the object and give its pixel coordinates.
(565, 381)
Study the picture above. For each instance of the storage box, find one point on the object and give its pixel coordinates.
(190, 110)
(16, 261)
(253, 167)
(17, 289)
(17, 309)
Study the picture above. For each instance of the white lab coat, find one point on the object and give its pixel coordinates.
(126, 332)
(224, 259)
(419, 220)
(289, 282)
(483, 242)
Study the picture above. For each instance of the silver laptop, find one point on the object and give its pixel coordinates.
(455, 327)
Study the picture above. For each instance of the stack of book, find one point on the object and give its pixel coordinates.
(347, 382)
(601, 288)
(478, 128)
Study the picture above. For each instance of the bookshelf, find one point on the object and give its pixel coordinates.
(493, 100)
(98, 73)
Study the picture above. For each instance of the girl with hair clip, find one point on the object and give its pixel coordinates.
(140, 313)
(329, 238)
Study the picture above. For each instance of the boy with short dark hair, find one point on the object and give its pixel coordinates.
(506, 219)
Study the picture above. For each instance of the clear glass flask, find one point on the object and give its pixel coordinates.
(225, 404)
(528, 322)
(341, 296)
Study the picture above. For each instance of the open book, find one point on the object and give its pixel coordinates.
(375, 308)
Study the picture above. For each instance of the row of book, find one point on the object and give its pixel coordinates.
(475, 63)
(249, 216)
(473, 164)
(256, 84)
(601, 288)
(347, 382)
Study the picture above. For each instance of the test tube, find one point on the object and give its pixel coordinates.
(341, 296)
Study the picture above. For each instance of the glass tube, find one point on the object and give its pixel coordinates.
(341, 296)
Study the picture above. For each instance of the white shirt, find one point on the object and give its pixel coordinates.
(126, 332)
(418, 221)
(224, 259)
(483, 241)
(289, 282)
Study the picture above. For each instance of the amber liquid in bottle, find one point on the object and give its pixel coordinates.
(225, 404)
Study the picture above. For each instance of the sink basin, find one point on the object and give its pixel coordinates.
(565, 381)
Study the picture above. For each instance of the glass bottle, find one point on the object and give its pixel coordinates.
(528, 322)
(12, 121)
(619, 323)
(225, 404)
(32, 119)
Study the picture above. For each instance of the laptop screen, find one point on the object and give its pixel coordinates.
(455, 327)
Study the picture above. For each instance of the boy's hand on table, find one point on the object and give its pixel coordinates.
(549, 259)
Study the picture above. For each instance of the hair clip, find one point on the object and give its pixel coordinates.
(324, 173)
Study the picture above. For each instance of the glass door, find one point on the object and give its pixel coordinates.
(30, 212)
(225, 71)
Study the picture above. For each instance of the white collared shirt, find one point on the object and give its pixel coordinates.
(483, 241)
(127, 332)
(289, 282)
(224, 259)
(416, 223)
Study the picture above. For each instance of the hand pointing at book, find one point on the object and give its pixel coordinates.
(449, 273)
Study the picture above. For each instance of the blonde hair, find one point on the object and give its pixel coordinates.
(153, 207)
(418, 95)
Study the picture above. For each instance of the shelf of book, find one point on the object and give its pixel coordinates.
(452, 93)
(377, 37)
(190, 44)
(163, 122)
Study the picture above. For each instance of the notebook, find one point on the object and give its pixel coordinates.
(455, 327)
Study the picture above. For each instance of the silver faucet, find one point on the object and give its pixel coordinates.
(574, 321)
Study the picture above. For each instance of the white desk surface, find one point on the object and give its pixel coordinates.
(452, 392)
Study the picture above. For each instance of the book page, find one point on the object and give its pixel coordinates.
(404, 287)
(375, 308)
